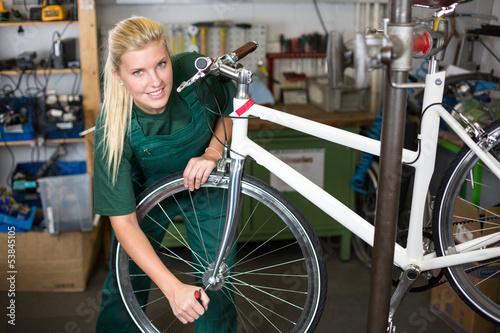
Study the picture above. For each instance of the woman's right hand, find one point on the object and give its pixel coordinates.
(181, 296)
(185, 306)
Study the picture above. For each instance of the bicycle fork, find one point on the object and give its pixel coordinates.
(215, 276)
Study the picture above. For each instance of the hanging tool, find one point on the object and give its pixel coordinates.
(173, 40)
(223, 25)
(243, 30)
(192, 31)
(180, 43)
(203, 40)
(222, 40)
(203, 26)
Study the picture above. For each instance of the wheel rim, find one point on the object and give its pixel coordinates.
(469, 287)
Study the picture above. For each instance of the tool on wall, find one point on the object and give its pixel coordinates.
(203, 26)
(180, 43)
(192, 31)
(223, 25)
(243, 31)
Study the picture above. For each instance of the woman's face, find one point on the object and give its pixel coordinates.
(147, 74)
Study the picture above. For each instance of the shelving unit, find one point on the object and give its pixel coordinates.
(27, 143)
(40, 71)
(271, 57)
(88, 71)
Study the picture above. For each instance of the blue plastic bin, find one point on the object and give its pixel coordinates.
(20, 224)
(24, 132)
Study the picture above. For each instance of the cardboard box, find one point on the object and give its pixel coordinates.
(448, 306)
(445, 303)
(48, 263)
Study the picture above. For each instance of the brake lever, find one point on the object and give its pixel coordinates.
(189, 82)
(202, 64)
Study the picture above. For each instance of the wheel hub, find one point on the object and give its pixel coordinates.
(218, 281)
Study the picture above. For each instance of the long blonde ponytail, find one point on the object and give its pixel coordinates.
(131, 34)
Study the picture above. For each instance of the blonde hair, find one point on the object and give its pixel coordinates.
(134, 33)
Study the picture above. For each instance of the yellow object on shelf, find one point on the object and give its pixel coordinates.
(54, 13)
(4, 13)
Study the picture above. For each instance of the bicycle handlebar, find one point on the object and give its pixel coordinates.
(244, 50)
(222, 65)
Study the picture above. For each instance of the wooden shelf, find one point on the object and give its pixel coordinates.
(40, 71)
(30, 142)
(18, 23)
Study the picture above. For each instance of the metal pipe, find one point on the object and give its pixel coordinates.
(394, 117)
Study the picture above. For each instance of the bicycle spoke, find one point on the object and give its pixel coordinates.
(253, 303)
(269, 294)
(153, 301)
(268, 267)
(180, 258)
(188, 221)
(183, 242)
(200, 234)
(261, 245)
(265, 254)
(271, 288)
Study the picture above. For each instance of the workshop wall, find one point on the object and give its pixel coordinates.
(290, 19)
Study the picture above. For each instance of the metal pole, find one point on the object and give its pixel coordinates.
(393, 122)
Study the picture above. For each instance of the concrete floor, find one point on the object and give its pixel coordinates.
(346, 309)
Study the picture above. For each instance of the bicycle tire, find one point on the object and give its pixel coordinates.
(455, 194)
(287, 303)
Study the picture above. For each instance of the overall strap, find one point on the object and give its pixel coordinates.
(136, 133)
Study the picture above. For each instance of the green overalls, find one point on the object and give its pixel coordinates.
(157, 157)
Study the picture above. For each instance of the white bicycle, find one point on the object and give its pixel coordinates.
(288, 292)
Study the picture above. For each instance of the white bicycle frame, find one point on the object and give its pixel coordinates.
(423, 160)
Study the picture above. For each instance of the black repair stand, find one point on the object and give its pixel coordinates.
(393, 121)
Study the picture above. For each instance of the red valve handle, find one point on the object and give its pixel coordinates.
(422, 43)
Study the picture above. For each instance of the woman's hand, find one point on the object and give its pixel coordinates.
(185, 306)
(198, 169)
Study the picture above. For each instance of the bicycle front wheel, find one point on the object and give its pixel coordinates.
(462, 213)
(272, 282)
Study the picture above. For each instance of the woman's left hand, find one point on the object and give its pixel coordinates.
(198, 170)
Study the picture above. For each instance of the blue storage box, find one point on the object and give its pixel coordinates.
(21, 225)
(20, 132)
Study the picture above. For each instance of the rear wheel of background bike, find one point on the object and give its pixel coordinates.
(277, 280)
(462, 213)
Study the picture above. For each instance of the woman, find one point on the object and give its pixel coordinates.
(142, 109)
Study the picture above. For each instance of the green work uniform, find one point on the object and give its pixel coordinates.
(158, 145)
